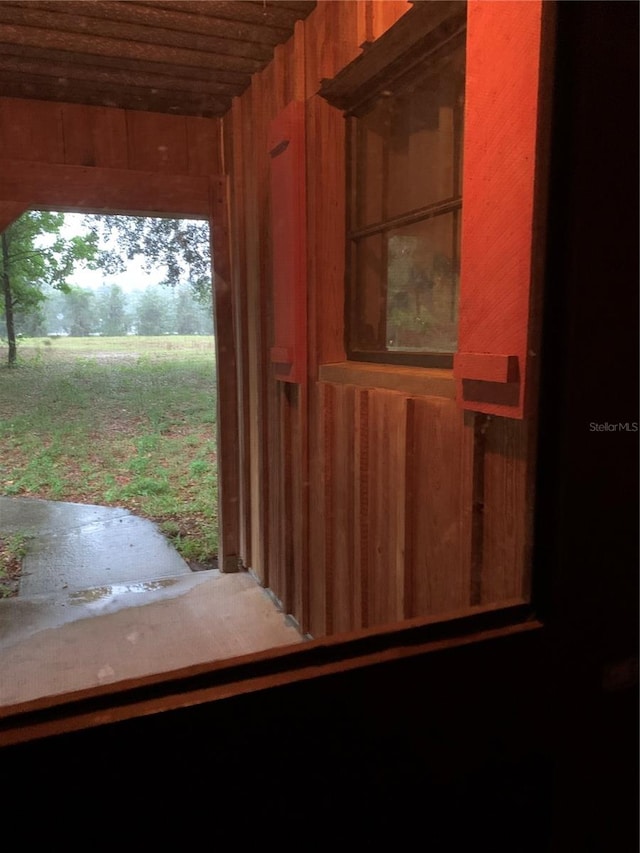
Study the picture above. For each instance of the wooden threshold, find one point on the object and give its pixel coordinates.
(260, 671)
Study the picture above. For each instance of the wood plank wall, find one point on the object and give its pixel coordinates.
(360, 505)
(85, 143)
(80, 135)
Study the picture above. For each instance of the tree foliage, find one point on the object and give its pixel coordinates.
(37, 262)
(36, 258)
(111, 311)
(113, 317)
(81, 312)
(179, 246)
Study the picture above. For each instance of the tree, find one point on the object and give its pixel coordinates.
(154, 314)
(82, 319)
(31, 324)
(34, 258)
(192, 317)
(180, 246)
(112, 310)
(55, 311)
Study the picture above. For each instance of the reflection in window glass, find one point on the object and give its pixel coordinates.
(405, 213)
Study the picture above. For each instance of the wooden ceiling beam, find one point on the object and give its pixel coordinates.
(303, 6)
(148, 15)
(63, 22)
(235, 10)
(104, 77)
(234, 79)
(132, 98)
(56, 186)
(90, 45)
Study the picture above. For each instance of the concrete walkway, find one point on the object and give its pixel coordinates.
(105, 597)
(75, 546)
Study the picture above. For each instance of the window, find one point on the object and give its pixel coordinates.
(405, 117)
(405, 149)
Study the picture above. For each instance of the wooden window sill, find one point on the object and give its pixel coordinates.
(414, 381)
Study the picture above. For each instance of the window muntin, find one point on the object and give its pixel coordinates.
(405, 178)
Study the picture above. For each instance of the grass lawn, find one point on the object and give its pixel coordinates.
(126, 422)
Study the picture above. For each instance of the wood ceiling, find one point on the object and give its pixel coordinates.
(184, 58)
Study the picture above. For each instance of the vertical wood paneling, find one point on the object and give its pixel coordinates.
(359, 501)
(341, 571)
(81, 135)
(386, 506)
(439, 494)
(300, 506)
(506, 510)
(282, 578)
(277, 407)
(295, 53)
(320, 510)
(256, 403)
(384, 14)
(318, 40)
(31, 130)
(328, 515)
(235, 164)
(277, 77)
(316, 520)
(226, 398)
(268, 432)
(109, 138)
(95, 136)
(361, 508)
(278, 414)
(157, 143)
(203, 146)
(344, 29)
(78, 134)
(286, 404)
(326, 210)
(320, 528)
(362, 26)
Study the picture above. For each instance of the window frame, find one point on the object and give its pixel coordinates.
(398, 58)
(271, 669)
(420, 215)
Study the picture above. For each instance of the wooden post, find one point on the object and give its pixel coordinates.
(227, 396)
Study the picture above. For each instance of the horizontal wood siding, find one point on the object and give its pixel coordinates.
(365, 505)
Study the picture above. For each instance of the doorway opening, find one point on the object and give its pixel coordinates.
(113, 399)
(109, 487)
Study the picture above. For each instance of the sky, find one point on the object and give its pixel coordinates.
(135, 278)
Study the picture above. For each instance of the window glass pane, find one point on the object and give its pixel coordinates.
(368, 309)
(409, 145)
(406, 296)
